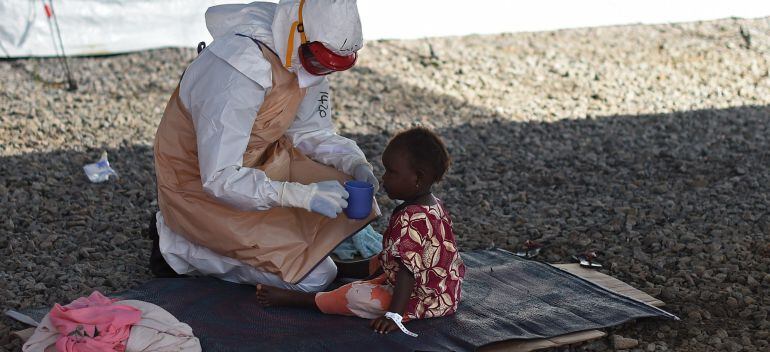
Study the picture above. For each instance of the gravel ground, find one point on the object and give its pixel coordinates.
(649, 143)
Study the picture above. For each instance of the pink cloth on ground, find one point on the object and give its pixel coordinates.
(93, 324)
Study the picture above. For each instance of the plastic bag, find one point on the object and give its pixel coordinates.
(100, 171)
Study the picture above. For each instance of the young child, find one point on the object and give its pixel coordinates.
(422, 271)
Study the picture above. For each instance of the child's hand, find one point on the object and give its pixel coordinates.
(383, 325)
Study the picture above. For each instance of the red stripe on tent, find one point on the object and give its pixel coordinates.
(48, 11)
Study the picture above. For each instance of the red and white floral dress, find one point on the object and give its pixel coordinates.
(421, 238)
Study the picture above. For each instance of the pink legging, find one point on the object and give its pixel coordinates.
(366, 299)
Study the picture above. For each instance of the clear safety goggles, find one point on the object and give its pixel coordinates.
(315, 57)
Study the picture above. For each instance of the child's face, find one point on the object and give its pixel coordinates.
(400, 179)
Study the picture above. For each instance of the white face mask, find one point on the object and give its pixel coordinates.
(304, 78)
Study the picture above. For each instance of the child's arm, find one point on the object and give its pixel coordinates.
(401, 294)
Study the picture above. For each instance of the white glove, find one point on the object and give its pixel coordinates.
(363, 172)
(327, 198)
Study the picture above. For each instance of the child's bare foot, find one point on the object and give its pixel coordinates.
(270, 296)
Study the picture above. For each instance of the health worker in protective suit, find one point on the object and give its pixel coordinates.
(248, 164)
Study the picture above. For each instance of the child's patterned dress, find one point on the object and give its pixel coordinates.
(422, 238)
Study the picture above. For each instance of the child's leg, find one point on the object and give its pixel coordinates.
(365, 299)
(273, 296)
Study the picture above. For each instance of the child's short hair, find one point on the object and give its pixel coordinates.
(425, 149)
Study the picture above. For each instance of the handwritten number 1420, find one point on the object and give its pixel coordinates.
(323, 104)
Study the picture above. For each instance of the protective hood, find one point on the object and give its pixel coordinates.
(253, 20)
(335, 23)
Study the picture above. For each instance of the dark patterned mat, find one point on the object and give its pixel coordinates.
(504, 298)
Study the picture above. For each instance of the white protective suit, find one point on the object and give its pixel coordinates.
(224, 88)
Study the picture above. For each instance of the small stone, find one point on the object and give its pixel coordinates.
(760, 315)
(623, 343)
(654, 291)
(695, 315)
(705, 314)
(745, 313)
(598, 346)
(721, 333)
(669, 293)
(733, 346)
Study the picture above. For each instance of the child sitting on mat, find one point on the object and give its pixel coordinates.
(422, 271)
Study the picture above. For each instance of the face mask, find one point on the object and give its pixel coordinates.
(305, 79)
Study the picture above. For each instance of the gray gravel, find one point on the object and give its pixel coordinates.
(649, 143)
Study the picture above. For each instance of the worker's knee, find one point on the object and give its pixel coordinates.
(320, 277)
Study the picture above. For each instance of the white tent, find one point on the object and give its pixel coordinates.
(91, 27)
(94, 27)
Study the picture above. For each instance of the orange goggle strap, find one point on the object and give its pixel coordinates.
(299, 27)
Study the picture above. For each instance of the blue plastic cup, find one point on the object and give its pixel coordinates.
(360, 196)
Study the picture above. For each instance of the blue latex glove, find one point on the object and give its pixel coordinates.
(363, 172)
(329, 198)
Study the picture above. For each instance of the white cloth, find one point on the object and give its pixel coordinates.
(223, 90)
(157, 331)
(188, 258)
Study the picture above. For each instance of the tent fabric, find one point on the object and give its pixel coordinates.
(97, 27)
(504, 297)
(24, 30)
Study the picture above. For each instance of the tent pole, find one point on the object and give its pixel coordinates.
(71, 84)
